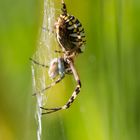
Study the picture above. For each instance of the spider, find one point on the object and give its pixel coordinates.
(71, 39)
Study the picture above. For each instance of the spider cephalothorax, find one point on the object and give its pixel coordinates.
(71, 39)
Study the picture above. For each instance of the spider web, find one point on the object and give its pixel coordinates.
(43, 55)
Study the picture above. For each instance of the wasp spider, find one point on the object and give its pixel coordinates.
(71, 39)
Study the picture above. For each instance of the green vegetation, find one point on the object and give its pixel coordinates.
(107, 107)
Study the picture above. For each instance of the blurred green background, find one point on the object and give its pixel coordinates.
(108, 107)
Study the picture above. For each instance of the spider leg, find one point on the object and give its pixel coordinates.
(64, 9)
(57, 51)
(49, 86)
(72, 98)
(50, 110)
(67, 105)
(35, 62)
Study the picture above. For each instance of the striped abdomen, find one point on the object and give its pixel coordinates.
(70, 33)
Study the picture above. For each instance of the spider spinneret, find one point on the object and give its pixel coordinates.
(71, 39)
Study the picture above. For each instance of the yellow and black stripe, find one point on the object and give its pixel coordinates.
(70, 33)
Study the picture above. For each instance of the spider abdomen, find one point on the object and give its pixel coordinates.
(70, 33)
